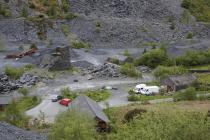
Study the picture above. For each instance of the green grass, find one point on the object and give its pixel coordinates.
(163, 71)
(203, 78)
(96, 95)
(15, 112)
(65, 29)
(198, 8)
(163, 122)
(133, 97)
(130, 70)
(24, 91)
(5, 11)
(15, 73)
(79, 45)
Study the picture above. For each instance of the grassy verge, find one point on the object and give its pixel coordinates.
(15, 73)
(178, 121)
(146, 98)
(130, 70)
(15, 112)
(97, 95)
(198, 8)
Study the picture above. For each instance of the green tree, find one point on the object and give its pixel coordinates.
(72, 125)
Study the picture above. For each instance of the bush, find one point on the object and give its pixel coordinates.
(5, 11)
(134, 98)
(15, 73)
(79, 44)
(97, 95)
(162, 71)
(72, 125)
(198, 8)
(65, 29)
(24, 12)
(130, 70)
(67, 93)
(153, 58)
(126, 53)
(33, 46)
(130, 115)
(188, 94)
(189, 35)
(70, 16)
(23, 91)
(113, 60)
(162, 124)
(15, 112)
(194, 58)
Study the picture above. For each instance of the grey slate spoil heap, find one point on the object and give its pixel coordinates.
(26, 80)
(10, 132)
(106, 70)
(6, 85)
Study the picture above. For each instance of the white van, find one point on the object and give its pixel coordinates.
(139, 88)
(150, 90)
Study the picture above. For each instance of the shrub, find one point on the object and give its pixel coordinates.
(98, 95)
(130, 115)
(133, 97)
(188, 94)
(113, 60)
(67, 93)
(15, 112)
(189, 35)
(163, 71)
(153, 58)
(24, 12)
(198, 8)
(33, 46)
(79, 44)
(194, 58)
(130, 70)
(5, 11)
(98, 24)
(72, 125)
(70, 16)
(65, 29)
(15, 73)
(23, 91)
(162, 124)
(126, 53)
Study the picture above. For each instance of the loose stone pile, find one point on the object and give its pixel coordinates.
(6, 85)
(106, 70)
(9, 132)
(26, 80)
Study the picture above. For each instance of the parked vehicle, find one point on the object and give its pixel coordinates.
(150, 90)
(65, 102)
(139, 88)
(56, 98)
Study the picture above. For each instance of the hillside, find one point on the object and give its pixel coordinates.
(101, 23)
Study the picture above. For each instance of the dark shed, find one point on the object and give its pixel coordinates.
(86, 105)
(178, 82)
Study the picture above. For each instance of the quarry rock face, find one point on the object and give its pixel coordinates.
(122, 23)
(59, 59)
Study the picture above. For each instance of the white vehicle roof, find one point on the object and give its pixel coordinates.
(141, 85)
